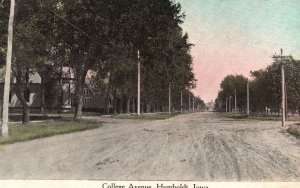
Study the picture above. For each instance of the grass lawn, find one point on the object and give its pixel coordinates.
(257, 117)
(294, 129)
(150, 116)
(19, 132)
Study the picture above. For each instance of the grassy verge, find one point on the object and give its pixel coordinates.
(154, 116)
(19, 132)
(257, 117)
(294, 130)
(33, 117)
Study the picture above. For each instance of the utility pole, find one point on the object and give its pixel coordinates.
(169, 98)
(248, 98)
(8, 70)
(283, 87)
(235, 101)
(181, 107)
(189, 101)
(139, 85)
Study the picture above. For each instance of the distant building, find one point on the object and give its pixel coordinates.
(210, 106)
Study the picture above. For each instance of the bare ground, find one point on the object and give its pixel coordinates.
(199, 146)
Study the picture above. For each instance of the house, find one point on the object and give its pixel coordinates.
(57, 94)
(33, 95)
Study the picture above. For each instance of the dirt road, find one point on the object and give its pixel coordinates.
(199, 146)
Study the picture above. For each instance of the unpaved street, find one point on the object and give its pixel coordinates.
(199, 146)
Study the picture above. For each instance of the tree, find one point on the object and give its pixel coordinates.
(104, 36)
(292, 68)
(231, 85)
(153, 28)
(265, 87)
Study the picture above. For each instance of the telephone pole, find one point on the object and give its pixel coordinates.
(283, 87)
(139, 85)
(189, 101)
(8, 70)
(169, 98)
(235, 101)
(248, 98)
(181, 107)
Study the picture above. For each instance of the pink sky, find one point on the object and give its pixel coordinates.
(235, 37)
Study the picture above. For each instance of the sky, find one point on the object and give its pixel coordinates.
(237, 36)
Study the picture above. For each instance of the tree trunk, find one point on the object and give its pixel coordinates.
(8, 70)
(107, 104)
(80, 74)
(25, 117)
(25, 104)
(128, 105)
(60, 91)
(107, 97)
(22, 98)
(133, 105)
(142, 105)
(23, 93)
(78, 103)
(121, 104)
(42, 97)
(115, 101)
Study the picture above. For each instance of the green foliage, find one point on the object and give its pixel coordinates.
(292, 72)
(4, 10)
(19, 133)
(153, 28)
(229, 86)
(103, 36)
(265, 87)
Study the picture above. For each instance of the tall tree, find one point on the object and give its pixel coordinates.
(231, 85)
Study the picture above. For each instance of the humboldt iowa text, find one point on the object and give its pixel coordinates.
(172, 186)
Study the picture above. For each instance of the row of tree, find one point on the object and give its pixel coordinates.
(265, 89)
(103, 36)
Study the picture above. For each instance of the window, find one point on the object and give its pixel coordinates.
(87, 100)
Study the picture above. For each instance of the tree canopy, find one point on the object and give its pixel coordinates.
(103, 36)
(265, 88)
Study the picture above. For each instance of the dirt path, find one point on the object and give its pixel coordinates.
(200, 146)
